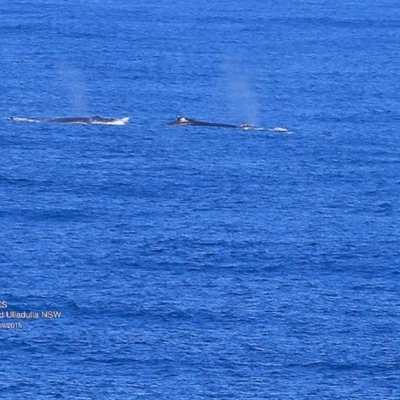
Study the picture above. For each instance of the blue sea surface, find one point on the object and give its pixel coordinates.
(197, 262)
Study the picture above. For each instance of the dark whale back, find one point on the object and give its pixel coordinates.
(183, 121)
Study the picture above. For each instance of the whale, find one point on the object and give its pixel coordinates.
(96, 120)
(183, 121)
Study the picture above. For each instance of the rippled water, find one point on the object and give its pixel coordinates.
(192, 262)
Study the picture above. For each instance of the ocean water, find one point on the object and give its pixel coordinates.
(195, 262)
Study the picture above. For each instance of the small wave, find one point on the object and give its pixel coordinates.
(279, 129)
(23, 119)
(117, 121)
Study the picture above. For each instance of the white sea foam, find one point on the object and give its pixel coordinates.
(279, 129)
(117, 121)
